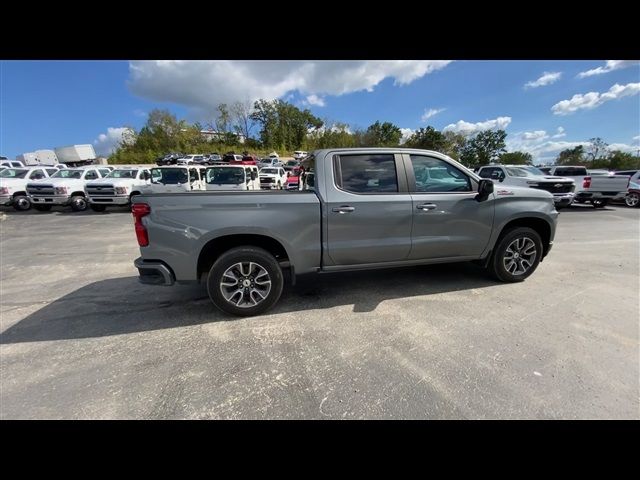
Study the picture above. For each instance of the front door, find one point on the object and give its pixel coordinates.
(447, 219)
(369, 210)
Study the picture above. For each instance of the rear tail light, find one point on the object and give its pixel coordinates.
(140, 210)
(586, 183)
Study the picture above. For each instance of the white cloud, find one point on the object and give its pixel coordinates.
(314, 100)
(623, 147)
(636, 139)
(432, 112)
(467, 128)
(539, 144)
(547, 78)
(202, 85)
(406, 133)
(609, 66)
(592, 100)
(106, 143)
(560, 133)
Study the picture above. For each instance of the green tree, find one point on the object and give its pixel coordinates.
(484, 147)
(516, 158)
(282, 125)
(383, 135)
(428, 138)
(618, 160)
(571, 156)
(597, 149)
(454, 143)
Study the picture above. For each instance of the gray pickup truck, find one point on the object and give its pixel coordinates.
(356, 209)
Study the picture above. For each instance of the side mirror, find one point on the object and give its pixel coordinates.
(485, 188)
(253, 174)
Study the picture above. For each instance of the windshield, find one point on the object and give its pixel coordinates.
(67, 174)
(123, 174)
(524, 171)
(225, 176)
(169, 176)
(292, 163)
(269, 170)
(13, 173)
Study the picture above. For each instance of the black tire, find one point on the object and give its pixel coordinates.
(79, 203)
(21, 203)
(632, 200)
(97, 207)
(599, 203)
(43, 208)
(500, 256)
(244, 255)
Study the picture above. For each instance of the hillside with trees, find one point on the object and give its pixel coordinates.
(280, 126)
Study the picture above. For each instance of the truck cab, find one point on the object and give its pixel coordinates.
(13, 185)
(175, 179)
(116, 188)
(66, 188)
(232, 177)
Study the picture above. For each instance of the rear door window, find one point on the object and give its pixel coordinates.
(372, 173)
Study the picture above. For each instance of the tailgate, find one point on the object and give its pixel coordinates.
(606, 183)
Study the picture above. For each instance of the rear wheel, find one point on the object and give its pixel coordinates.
(632, 200)
(21, 203)
(97, 207)
(42, 208)
(78, 203)
(516, 255)
(245, 281)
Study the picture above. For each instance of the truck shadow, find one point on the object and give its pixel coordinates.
(123, 306)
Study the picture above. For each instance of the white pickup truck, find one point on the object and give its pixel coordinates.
(527, 176)
(65, 187)
(117, 188)
(13, 185)
(597, 189)
(232, 177)
(273, 178)
(175, 179)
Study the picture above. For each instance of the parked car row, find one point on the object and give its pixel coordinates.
(99, 187)
(568, 184)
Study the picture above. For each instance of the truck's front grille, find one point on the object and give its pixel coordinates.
(556, 187)
(39, 189)
(266, 180)
(103, 189)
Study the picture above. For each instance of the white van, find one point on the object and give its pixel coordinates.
(232, 177)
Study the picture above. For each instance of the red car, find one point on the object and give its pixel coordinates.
(293, 182)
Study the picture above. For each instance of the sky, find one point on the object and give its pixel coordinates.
(544, 106)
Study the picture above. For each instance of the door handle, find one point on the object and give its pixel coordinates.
(343, 209)
(426, 206)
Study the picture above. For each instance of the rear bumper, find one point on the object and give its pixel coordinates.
(154, 272)
(600, 195)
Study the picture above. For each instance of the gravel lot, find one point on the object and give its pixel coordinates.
(80, 338)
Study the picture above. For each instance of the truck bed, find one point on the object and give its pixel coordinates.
(181, 224)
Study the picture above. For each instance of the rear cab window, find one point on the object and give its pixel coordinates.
(366, 173)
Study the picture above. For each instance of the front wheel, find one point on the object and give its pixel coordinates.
(516, 255)
(21, 203)
(97, 208)
(632, 200)
(78, 203)
(245, 281)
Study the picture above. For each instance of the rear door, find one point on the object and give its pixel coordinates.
(369, 209)
(447, 219)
